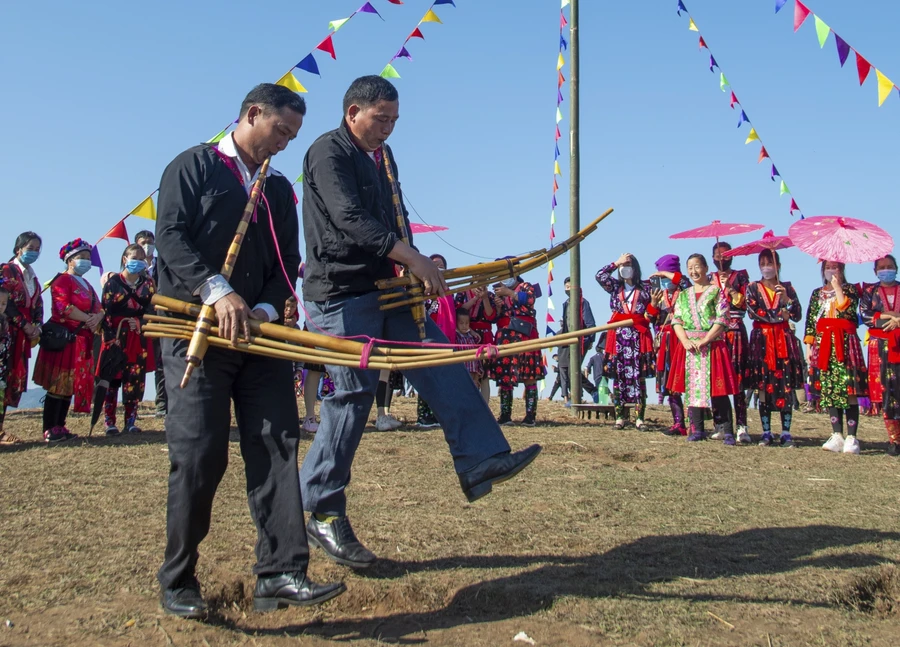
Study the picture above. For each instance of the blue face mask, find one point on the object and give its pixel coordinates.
(29, 257)
(135, 266)
(666, 284)
(82, 266)
(887, 276)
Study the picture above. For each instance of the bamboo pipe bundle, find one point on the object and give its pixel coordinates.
(484, 274)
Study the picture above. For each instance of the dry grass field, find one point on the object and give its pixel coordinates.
(610, 538)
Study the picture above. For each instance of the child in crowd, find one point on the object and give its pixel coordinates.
(468, 338)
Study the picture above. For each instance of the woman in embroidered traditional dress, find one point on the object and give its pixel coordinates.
(836, 360)
(774, 365)
(629, 356)
(661, 312)
(480, 305)
(734, 284)
(514, 303)
(442, 311)
(126, 298)
(880, 309)
(70, 371)
(701, 366)
(25, 312)
(5, 438)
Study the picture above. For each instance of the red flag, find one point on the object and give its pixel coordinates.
(702, 43)
(327, 46)
(555, 185)
(118, 231)
(561, 80)
(558, 135)
(552, 236)
(763, 154)
(550, 318)
(734, 100)
(794, 206)
(863, 67)
(395, 1)
(417, 33)
(800, 14)
(562, 20)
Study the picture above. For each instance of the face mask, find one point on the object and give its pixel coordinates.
(511, 282)
(148, 248)
(29, 257)
(829, 274)
(135, 266)
(887, 276)
(724, 265)
(768, 272)
(626, 272)
(82, 266)
(666, 284)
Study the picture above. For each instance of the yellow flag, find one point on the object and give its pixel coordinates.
(692, 25)
(431, 17)
(550, 266)
(556, 170)
(752, 136)
(560, 62)
(290, 82)
(145, 209)
(885, 85)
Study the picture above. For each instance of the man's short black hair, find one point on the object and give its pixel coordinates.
(274, 97)
(144, 234)
(368, 90)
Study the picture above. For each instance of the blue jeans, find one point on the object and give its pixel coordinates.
(469, 426)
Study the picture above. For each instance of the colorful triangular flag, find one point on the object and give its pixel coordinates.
(218, 137)
(784, 188)
(416, 33)
(723, 82)
(734, 100)
(334, 25)
(327, 46)
(560, 62)
(822, 30)
(290, 82)
(779, 4)
(556, 168)
(743, 119)
(702, 43)
(550, 305)
(862, 67)
(146, 209)
(800, 14)
(885, 85)
(692, 25)
(552, 218)
(794, 206)
(118, 231)
(299, 179)
(763, 154)
(752, 136)
(558, 115)
(368, 8)
(774, 173)
(403, 53)
(430, 17)
(95, 261)
(389, 72)
(681, 7)
(309, 64)
(843, 49)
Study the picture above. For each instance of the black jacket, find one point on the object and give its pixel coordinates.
(200, 205)
(348, 218)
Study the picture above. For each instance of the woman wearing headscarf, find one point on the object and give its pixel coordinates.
(70, 371)
(25, 312)
(660, 313)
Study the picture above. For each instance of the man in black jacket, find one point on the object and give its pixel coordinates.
(353, 239)
(202, 196)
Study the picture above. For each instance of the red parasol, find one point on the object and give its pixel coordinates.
(768, 241)
(417, 228)
(717, 229)
(842, 240)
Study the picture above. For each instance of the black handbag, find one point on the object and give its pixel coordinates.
(520, 326)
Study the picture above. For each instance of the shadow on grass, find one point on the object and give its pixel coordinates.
(625, 571)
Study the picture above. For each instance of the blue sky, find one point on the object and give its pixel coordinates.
(101, 96)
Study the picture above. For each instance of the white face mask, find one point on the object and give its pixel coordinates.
(626, 272)
(829, 274)
(768, 272)
(511, 283)
(148, 248)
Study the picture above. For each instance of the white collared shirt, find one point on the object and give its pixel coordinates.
(216, 286)
(28, 277)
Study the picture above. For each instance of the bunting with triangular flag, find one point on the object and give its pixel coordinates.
(146, 209)
(389, 72)
(290, 82)
(430, 16)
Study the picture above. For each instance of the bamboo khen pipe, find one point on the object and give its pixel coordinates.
(207, 317)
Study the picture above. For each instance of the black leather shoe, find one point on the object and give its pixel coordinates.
(184, 601)
(292, 589)
(478, 481)
(339, 542)
(893, 449)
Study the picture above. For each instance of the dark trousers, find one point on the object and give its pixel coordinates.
(565, 382)
(162, 400)
(197, 430)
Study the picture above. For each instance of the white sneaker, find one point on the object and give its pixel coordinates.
(310, 425)
(743, 436)
(718, 436)
(835, 443)
(387, 422)
(639, 424)
(851, 445)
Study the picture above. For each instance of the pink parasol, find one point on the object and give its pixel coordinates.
(842, 240)
(417, 228)
(717, 229)
(768, 241)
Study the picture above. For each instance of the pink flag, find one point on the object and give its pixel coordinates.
(800, 14)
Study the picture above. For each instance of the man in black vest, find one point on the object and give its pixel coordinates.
(202, 196)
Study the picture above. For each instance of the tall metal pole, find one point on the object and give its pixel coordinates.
(574, 313)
